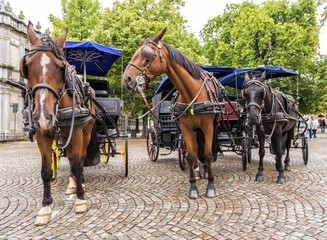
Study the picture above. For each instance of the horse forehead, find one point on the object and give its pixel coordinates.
(45, 60)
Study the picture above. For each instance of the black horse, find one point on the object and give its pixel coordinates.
(274, 115)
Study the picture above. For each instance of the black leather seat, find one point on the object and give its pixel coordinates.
(101, 87)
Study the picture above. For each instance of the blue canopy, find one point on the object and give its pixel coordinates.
(236, 78)
(91, 58)
(218, 72)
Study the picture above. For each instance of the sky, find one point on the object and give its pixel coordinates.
(196, 12)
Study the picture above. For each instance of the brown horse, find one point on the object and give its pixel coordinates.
(154, 58)
(44, 67)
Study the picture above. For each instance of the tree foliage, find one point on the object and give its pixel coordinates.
(276, 33)
(80, 16)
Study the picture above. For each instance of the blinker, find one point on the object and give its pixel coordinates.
(147, 53)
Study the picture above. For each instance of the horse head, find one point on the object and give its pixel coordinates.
(44, 68)
(254, 92)
(146, 64)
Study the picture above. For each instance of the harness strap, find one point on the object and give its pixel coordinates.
(47, 86)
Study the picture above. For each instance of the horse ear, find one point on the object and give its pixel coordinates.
(159, 36)
(31, 34)
(263, 76)
(246, 77)
(61, 40)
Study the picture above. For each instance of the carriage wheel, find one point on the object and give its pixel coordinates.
(152, 144)
(106, 151)
(248, 150)
(244, 153)
(182, 153)
(55, 160)
(305, 150)
(125, 154)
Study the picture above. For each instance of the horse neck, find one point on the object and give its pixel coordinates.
(184, 83)
(268, 101)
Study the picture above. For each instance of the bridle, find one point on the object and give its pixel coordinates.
(150, 55)
(31, 91)
(262, 86)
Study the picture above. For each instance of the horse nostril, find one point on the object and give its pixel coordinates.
(128, 79)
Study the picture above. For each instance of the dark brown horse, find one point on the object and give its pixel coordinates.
(44, 67)
(154, 58)
(273, 114)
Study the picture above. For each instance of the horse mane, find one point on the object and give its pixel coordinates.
(49, 41)
(192, 68)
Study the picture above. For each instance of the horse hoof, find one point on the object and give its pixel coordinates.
(281, 180)
(211, 193)
(80, 205)
(194, 194)
(72, 186)
(287, 168)
(259, 178)
(44, 216)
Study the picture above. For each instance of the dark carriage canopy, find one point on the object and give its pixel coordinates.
(218, 72)
(91, 58)
(236, 78)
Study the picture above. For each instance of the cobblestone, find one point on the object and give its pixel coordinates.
(152, 202)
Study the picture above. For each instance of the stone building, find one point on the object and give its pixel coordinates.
(13, 46)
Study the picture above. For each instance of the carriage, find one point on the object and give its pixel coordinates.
(166, 133)
(236, 80)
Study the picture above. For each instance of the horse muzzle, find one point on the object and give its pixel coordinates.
(44, 123)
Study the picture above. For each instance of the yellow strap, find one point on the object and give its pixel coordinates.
(192, 111)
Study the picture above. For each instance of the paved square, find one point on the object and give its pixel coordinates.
(152, 202)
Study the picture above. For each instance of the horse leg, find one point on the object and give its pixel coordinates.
(290, 135)
(77, 155)
(208, 158)
(44, 144)
(192, 149)
(261, 136)
(276, 142)
(72, 186)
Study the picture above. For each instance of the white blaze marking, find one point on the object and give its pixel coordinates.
(45, 60)
(42, 100)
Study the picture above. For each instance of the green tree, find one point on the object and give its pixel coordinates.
(80, 16)
(276, 33)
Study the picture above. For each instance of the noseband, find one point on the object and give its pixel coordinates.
(141, 81)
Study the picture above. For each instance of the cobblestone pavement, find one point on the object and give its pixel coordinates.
(152, 202)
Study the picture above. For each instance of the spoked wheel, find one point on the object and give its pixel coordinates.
(55, 160)
(305, 150)
(244, 153)
(125, 154)
(182, 152)
(152, 144)
(248, 150)
(106, 151)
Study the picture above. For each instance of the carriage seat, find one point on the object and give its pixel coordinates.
(100, 87)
